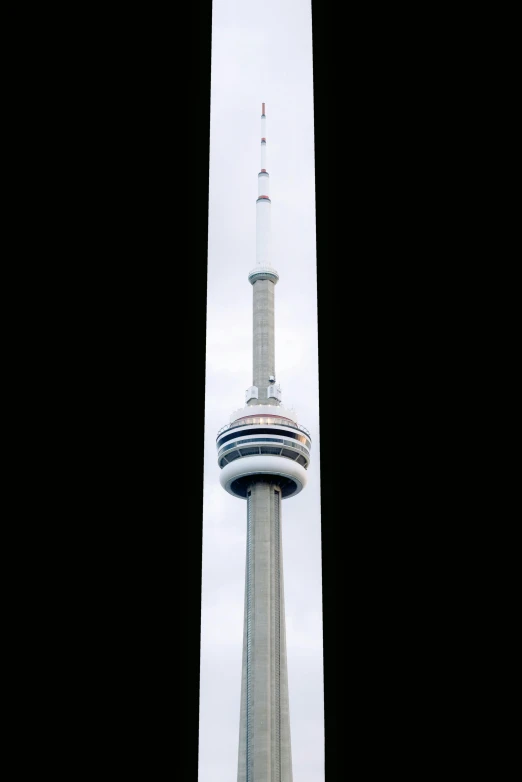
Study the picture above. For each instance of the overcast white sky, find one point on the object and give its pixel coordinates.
(261, 52)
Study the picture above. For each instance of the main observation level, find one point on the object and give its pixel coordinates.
(264, 441)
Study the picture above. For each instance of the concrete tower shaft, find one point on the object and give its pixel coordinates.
(264, 725)
(264, 339)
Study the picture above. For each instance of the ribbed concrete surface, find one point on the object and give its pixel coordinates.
(263, 339)
(264, 732)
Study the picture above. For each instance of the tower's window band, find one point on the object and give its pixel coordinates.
(301, 438)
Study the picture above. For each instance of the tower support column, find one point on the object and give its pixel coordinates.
(263, 339)
(264, 746)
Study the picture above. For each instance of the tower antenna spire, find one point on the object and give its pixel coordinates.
(263, 221)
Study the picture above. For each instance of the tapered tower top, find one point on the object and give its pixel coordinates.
(277, 448)
(263, 269)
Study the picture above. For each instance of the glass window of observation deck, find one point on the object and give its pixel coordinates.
(267, 420)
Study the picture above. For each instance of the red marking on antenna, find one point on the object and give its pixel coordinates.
(263, 138)
(263, 110)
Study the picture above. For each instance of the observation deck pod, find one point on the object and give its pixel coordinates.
(263, 444)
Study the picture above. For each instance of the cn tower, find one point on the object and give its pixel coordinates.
(263, 455)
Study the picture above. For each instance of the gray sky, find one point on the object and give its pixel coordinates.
(260, 53)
